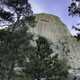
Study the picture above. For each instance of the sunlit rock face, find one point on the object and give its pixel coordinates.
(52, 28)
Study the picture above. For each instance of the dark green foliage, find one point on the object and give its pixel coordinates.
(14, 42)
(20, 7)
(30, 20)
(12, 49)
(42, 64)
(74, 8)
(6, 15)
(33, 62)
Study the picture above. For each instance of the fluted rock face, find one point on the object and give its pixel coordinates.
(51, 27)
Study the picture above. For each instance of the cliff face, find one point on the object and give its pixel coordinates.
(51, 27)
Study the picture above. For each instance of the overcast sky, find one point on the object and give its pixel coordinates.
(55, 7)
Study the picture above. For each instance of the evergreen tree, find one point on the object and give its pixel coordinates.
(16, 10)
(15, 39)
(21, 60)
(74, 8)
(13, 46)
(41, 64)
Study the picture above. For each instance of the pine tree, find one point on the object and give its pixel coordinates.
(17, 10)
(74, 8)
(42, 65)
(12, 49)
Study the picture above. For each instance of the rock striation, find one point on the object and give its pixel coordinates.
(51, 27)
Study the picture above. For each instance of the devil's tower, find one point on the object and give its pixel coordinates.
(51, 27)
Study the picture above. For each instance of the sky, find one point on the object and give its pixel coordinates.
(56, 7)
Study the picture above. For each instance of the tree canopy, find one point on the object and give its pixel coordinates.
(14, 10)
(74, 10)
(44, 63)
(23, 57)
